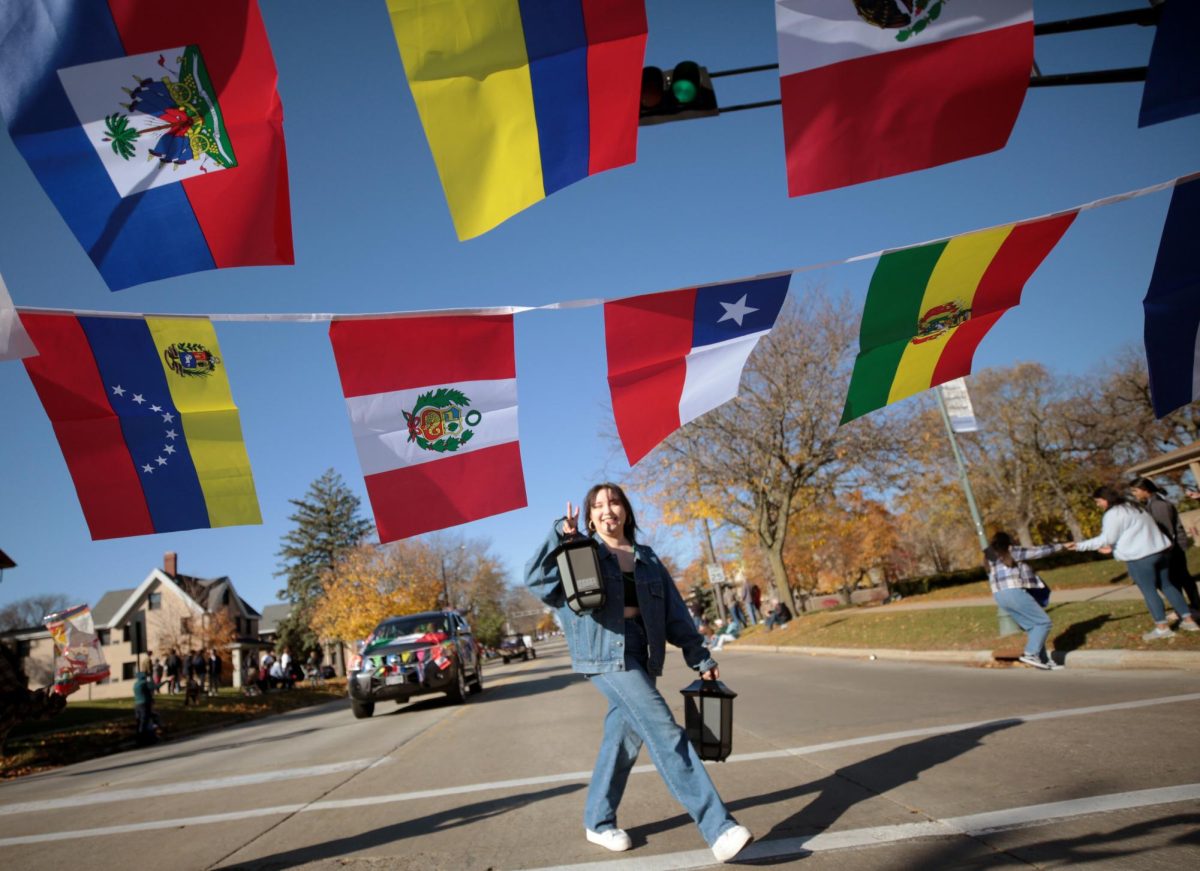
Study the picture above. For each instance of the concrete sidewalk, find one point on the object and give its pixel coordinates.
(1110, 593)
(1184, 659)
(1188, 660)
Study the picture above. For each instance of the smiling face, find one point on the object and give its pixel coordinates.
(607, 514)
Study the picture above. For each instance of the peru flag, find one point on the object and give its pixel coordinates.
(155, 128)
(433, 408)
(673, 356)
(876, 88)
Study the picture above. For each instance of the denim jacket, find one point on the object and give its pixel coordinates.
(596, 639)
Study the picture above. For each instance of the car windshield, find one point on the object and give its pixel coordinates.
(511, 642)
(408, 626)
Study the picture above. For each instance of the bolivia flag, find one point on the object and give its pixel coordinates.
(433, 410)
(520, 98)
(929, 307)
(673, 356)
(145, 419)
(154, 127)
(876, 88)
(1172, 305)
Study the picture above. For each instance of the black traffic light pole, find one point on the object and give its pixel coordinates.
(1143, 17)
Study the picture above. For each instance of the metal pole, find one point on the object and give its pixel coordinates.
(1007, 626)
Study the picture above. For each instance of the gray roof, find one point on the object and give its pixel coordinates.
(272, 616)
(108, 606)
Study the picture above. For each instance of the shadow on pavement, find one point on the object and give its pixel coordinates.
(1095, 846)
(491, 693)
(849, 785)
(414, 828)
(171, 753)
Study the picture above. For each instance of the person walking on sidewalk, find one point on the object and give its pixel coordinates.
(621, 648)
(1166, 515)
(1019, 591)
(1129, 533)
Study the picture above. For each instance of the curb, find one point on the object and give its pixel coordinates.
(1188, 660)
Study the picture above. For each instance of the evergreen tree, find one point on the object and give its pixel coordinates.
(328, 526)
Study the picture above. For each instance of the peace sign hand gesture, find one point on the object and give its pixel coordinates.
(570, 522)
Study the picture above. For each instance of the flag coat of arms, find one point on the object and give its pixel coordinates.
(143, 413)
(520, 98)
(155, 128)
(928, 307)
(876, 88)
(433, 408)
(674, 355)
(1172, 306)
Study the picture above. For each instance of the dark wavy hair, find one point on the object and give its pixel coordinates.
(999, 550)
(630, 527)
(1145, 484)
(1112, 496)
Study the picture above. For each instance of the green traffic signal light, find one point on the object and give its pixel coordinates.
(685, 82)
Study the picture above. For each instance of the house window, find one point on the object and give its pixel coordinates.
(185, 625)
(127, 671)
(105, 636)
(154, 602)
(23, 649)
(225, 598)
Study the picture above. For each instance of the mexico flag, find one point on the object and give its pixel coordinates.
(433, 408)
(876, 88)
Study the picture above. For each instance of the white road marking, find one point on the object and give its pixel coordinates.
(234, 781)
(566, 777)
(972, 825)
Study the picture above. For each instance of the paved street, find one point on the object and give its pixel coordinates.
(838, 764)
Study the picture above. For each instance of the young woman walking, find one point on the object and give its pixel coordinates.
(621, 648)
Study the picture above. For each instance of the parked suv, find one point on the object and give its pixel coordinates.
(430, 652)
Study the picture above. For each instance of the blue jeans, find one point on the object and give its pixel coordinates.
(638, 714)
(1029, 615)
(1154, 571)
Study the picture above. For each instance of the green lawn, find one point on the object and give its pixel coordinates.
(89, 729)
(1077, 626)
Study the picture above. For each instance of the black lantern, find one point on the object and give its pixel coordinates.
(579, 567)
(708, 718)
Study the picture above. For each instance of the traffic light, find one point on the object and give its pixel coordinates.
(684, 92)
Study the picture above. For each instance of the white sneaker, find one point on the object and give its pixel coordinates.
(1188, 625)
(1158, 632)
(731, 842)
(1034, 661)
(616, 840)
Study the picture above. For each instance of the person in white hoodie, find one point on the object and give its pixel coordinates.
(1129, 533)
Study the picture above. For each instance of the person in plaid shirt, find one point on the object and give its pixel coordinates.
(1019, 591)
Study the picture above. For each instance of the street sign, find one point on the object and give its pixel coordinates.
(716, 574)
(958, 406)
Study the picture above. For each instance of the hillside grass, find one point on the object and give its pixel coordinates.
(1077, 626)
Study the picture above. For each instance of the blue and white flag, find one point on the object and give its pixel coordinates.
(1172, 307)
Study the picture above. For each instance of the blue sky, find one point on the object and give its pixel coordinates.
(706, 201)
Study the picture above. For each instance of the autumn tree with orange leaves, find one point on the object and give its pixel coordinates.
(373, 582)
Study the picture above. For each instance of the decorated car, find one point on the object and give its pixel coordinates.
(414, 655)
(514, 647)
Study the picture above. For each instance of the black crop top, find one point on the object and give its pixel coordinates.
(631, 600)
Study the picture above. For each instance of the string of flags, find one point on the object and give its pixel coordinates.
(147, 122)
(143, 410)
(157, 132)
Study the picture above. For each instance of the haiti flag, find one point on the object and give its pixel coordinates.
(155, 128)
